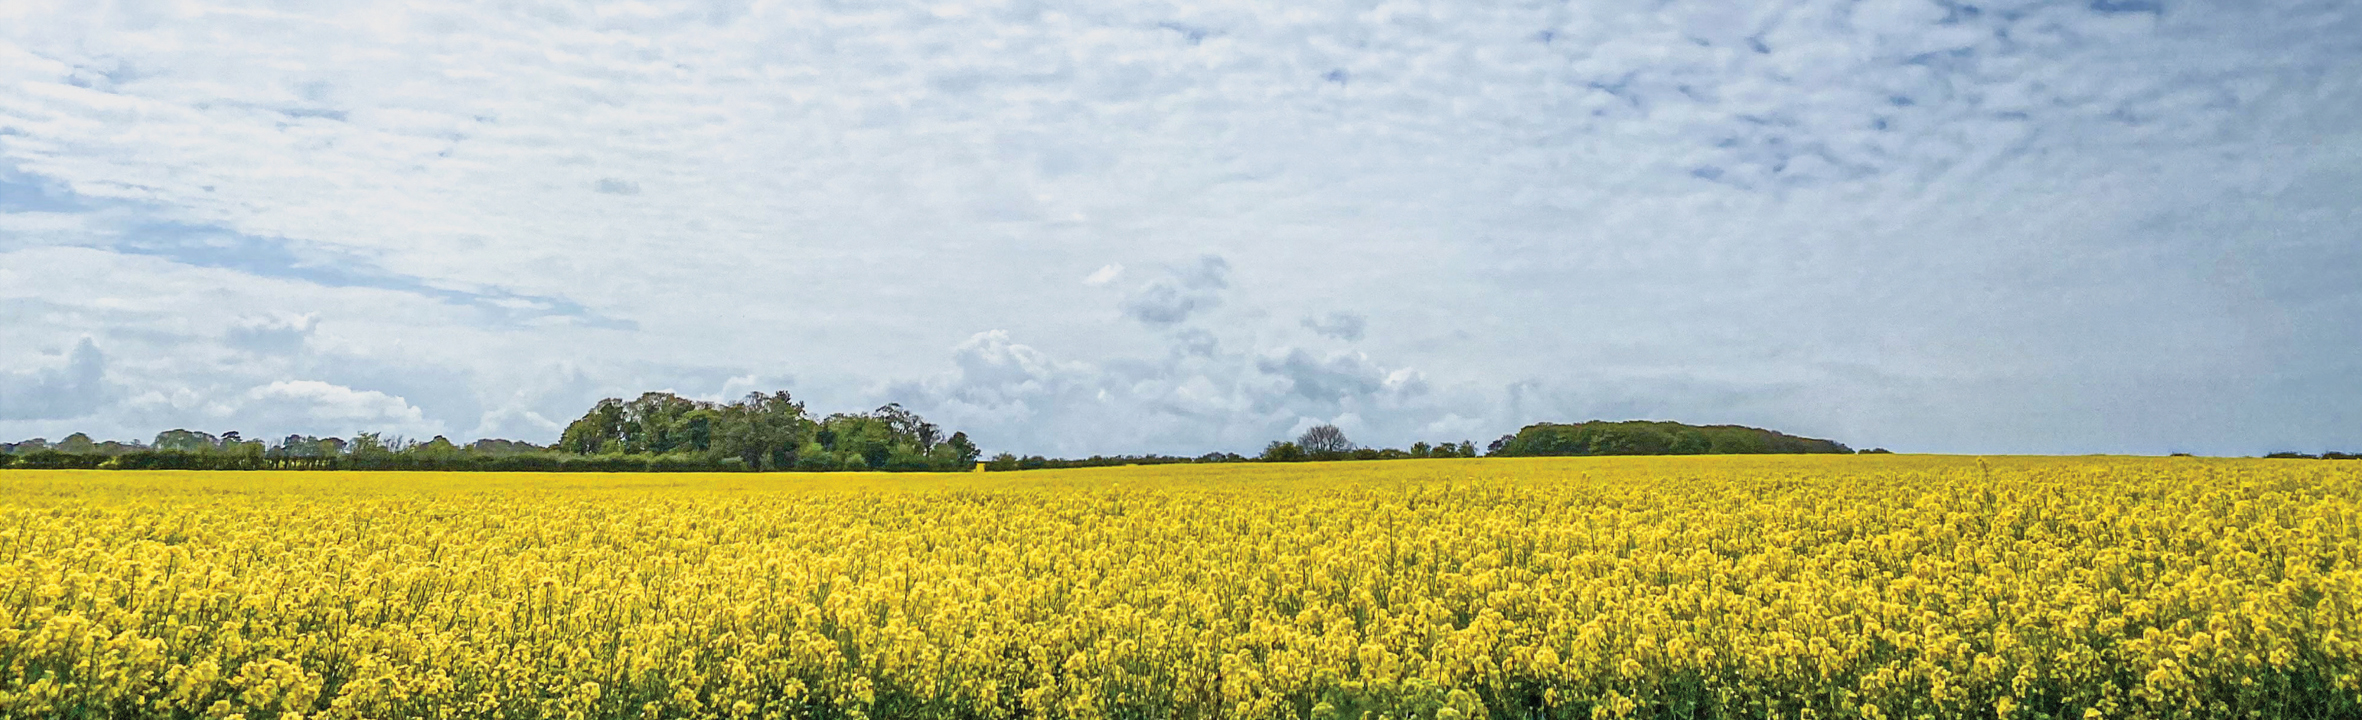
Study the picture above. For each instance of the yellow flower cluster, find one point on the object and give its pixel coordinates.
(1695, 587)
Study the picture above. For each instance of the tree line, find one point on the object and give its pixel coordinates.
(772, 432)
(656, 432)
(1643, 437)
(1329, 443)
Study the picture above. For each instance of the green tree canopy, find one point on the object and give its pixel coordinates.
(767, 432)
(1642, 437)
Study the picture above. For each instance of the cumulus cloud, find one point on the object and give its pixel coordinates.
(512, 422)
(272, 335)
(1330, 379)
(315, 407)
(1340, 325)
(1183, 291)
(990, 370)
(1199, 398)
(71, 389)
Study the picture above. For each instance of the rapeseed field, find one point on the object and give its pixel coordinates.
(1697, 587)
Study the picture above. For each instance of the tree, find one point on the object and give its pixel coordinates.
(297, 446)
(1282, 451)
(369, 444)
(1324, 441)
(906, 423)
(186, 441)
(440, 448)
(591, 433)
(762, 431)
(963, 451)
(1002, 463)
(659, 423)
(234, 446)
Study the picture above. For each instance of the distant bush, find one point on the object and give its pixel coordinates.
(2322, 456)
(516, 462)
(1283, 451)
(1278, 451)
(54, 460)
(157, 460)
(1006, 461)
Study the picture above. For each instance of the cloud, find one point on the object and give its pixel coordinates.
(518, 423)
(1808, 214)
(1183, 291)
(312, 407)
(1196, 342)
(1197, 398)
(1328, 380)
(1340, 325)
(272, 335)
(73, 389)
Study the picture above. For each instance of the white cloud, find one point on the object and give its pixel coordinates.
(518, 423)
(1104, 275)
(328, 409)
(278, 334)
(1340, 325)
(1185, 290)
(72, 389)
(1015, 397)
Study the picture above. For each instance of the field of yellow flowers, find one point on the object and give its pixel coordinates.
(1698, 587)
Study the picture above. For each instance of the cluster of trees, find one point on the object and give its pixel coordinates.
(1327, 442)
(2322, 456)
(657, 432)
(1009, 461)
(767, 432)
(193, 450)
(75, 444)
(1642, 437)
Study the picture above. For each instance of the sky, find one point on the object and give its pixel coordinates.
(1067, 228)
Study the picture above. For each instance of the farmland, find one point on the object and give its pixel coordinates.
(1691, 587)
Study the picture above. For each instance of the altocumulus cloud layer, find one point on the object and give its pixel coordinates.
(1177, 227)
